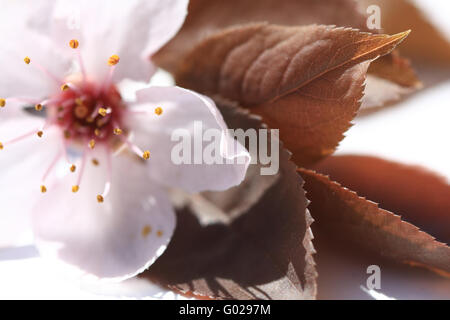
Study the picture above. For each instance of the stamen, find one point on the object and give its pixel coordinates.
(95, 162)
(142, 154)
(22, 99)
(118, 131)
(24, 136)
(38, 107)
(97, 132)
(43, 189)
(158, 111)
(40, 133)
(44, 71)
(75, 189)
(2, 102)
(73, 168)
(83, 165)
(52, 165)
(95, 112)
(1, 146)
(67, 86)
(67, 134)
(107, 189)
(113, 60)
(92, 144)
(74, 43)
(103, 112)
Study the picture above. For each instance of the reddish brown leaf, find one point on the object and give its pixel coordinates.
(343, 216)
(265, 253)
(352, 233)
(342, 13)
(206, 17)
(306, 81)
(420, 197)
(426, 42)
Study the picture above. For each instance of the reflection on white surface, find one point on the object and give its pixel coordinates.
(415, 132)
(24, 275)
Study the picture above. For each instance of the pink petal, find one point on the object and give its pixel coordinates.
(113, 240)
(23, 166)
(28, 80)
(133, 29)
(181, 110)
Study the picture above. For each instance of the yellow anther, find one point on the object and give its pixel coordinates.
(43, 189)
(2, 102)
(27, 60)
(159, 111)
(74, 43)
(146, 155)
(78, 101)
(1, 146)
(64, 87)
(97, 132)
(95, 162)
(40, 134)
(103, 112)
(73, 168)
(67, 134)
(100, 199)
(38, 107)
(92, 144)
(146, 230)
(118, 131)
(75, 189)
(113, 60)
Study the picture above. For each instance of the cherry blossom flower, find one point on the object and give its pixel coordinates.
(90, 168)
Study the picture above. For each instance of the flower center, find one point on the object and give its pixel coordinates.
(88, 113)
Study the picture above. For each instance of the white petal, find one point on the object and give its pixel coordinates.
(23, 166)
(185, 111)
(27, 80)
(113, 240)
(132, 29)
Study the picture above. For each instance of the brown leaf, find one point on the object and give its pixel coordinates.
(306, 81)
(419, 196)
(342, 13)
(342, 215)
(265, 253)
(426, 42)
(206, 17)
(352, 233)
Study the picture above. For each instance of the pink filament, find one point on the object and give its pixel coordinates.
(132, 146)
(52, 165)
(20, 138)
(108, 173)
(83, 165)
